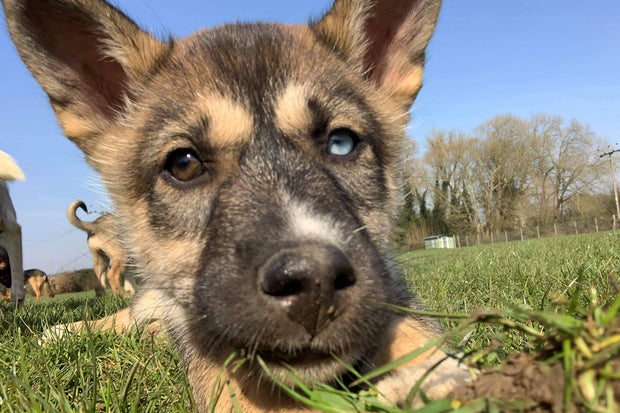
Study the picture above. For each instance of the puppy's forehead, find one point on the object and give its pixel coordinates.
(250, 64)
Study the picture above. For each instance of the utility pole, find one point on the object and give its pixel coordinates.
(613, 178)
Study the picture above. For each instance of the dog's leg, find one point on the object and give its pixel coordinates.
(144, 315)
(120, 322)
(446, 374)
(36, 287)
(101, 263)
(115, 276)
(129, 284)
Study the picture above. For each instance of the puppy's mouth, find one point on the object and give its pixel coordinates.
(309, 365)
(301, 358)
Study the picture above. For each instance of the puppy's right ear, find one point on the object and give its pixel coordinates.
(384, 40)
(85, 54)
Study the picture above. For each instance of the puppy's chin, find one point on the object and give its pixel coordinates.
(308, 366)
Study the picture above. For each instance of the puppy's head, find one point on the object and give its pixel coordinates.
(253, 167)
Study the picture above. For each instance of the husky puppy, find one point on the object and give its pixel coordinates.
(254, 169)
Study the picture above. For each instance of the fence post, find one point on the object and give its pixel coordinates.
(537, 231)
(555, 229)
(613, 217)
(576, 227)
(596, 223)
(467, 240)
(491, 237)
(521, 231)
(506, 234)
(478, 236)
(458, 241)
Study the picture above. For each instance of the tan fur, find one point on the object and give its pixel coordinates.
(294, 118)
(73, 125)
(401, 84)
(343, 27)
(121, 322)
(267, 243)
(109, 259)
(230, 123)
(138, 52)
(10, 230)
(292, 115)
(38, 282)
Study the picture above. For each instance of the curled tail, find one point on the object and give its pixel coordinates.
(86, 226)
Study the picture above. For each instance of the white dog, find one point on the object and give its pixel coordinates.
(10, 231)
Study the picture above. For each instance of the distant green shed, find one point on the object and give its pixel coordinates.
(439, 241)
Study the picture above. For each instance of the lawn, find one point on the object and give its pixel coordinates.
(519, 281)
(538, 274)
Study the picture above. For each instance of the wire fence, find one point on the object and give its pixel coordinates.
(570, 227)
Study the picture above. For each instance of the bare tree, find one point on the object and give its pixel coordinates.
(543, 133)
(508, 172)
(450, 160)
(501, 169)
(564, 164)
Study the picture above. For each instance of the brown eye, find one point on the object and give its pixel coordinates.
(184, 165)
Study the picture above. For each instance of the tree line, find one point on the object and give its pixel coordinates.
(508, 173)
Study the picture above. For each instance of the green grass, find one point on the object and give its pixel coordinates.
(130, 373)
(553, 274)
(89, 373)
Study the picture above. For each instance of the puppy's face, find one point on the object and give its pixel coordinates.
(256, 174)
(253, 168)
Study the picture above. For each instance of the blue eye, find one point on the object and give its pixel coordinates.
(341, 142)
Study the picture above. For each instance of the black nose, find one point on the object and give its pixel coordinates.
(309, 283)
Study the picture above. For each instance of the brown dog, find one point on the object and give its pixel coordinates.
(254, 169)
(38, 282)
(77, 281)
(104, 245)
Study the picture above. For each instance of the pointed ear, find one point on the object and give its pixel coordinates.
(85, 54)
(385, 40)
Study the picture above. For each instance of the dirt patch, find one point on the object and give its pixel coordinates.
(530, 383)
(533, 385)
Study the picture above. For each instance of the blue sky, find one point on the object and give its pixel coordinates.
(488, 57)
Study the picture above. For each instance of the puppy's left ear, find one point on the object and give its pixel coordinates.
(86, 55)
(385, 40)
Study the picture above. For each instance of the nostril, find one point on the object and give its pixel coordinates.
(342, 270)
(277, 286)
(283, 276)
(344, 278)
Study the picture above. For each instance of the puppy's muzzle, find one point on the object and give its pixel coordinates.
(309, 284)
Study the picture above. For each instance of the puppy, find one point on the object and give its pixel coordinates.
(10, 230)
(104, 247)
(254, 169)
(38, 281)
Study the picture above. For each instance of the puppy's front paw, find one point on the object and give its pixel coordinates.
(444, 378)
(56, 332)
